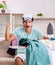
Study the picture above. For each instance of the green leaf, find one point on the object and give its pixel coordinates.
(39, 14)
(1, 5)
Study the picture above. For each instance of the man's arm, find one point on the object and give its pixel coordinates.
(8, 36)
(44, 38)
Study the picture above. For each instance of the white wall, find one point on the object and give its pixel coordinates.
(47, 7)
(43, 24)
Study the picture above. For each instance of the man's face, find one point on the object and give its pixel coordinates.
(27, 24)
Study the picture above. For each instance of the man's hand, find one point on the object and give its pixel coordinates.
(45, 37)
(8, 26)
(7, 32)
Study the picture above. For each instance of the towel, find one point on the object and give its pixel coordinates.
(36, 52)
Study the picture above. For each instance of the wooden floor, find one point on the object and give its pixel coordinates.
(5, 59)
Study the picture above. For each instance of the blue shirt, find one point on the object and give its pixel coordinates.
(20, 33)
(34, 35)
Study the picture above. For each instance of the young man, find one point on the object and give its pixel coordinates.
(26, 31)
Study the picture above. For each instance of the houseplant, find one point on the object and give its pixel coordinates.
(3, 6)
(39, 14)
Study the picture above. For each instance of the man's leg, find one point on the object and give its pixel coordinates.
(19, 61)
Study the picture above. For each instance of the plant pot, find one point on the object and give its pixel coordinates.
(3, 11)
